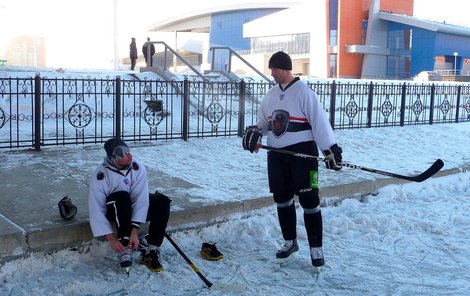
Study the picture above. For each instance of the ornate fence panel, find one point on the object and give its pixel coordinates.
(418, 103)
(43, 111)
(17, 105)
(463, 105)
(386, 105)
(445, 103)
(77, 111)
(351, 101)
(151, 110)
(214, 109)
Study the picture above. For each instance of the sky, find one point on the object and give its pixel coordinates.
(409, 239)
(78, 29)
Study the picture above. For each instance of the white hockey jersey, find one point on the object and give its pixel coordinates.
(294, 115)
(108, 179)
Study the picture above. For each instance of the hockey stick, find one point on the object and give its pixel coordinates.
(221, 287)
(434, 168)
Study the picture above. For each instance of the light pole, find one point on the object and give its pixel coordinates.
(455, 62)
(116, 36)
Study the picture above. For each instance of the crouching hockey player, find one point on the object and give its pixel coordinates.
(119, 199)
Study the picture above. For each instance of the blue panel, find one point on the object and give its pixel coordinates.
(398, 62)
(227, 27)
(422, 51)
(426, 45)
(333, 14)
(447, 44)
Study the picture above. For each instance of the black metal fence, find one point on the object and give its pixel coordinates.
(39, 111)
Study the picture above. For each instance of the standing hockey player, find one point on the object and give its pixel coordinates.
(119, 197)
(292, 118)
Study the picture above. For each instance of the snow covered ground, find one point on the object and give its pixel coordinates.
(410, 239)
(407, 240)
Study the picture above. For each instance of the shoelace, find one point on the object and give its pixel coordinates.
(316, 253)
(143, 241)
(126, 255)
(287, 246)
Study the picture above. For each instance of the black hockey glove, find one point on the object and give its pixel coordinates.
(251, 138)
(333, 158)
(66, 208)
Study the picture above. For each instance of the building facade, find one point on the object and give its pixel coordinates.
(336, 38)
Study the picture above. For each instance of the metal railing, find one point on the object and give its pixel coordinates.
(164, 62)
(39, 111)
(227, 50)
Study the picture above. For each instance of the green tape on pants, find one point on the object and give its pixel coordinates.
(314, 179)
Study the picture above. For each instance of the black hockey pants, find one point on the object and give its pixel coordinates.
(119, 211)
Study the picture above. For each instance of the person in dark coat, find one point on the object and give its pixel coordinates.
(145, 52)
(133, 53)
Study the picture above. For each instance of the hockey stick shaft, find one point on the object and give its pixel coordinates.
(194, 267)
(433, 169)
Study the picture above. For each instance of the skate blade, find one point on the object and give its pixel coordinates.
(127, 270)
(282, 261)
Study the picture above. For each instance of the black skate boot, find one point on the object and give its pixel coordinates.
(152, 261)
(317, 256)
(126, 259)
(290, 246)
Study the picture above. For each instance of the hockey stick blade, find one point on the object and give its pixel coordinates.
(431, 171)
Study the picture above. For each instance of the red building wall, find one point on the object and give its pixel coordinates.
(351, 14)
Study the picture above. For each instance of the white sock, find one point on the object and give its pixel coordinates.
(151, 248)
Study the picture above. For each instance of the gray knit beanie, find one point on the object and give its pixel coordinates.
(116, 149)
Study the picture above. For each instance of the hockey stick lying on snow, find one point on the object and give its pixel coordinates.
(434, 168)
(220, 287)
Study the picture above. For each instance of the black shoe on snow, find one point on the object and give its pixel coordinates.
(152, 261)
(317, 256)
(290, 246)
(209, 252)
(126, 258)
